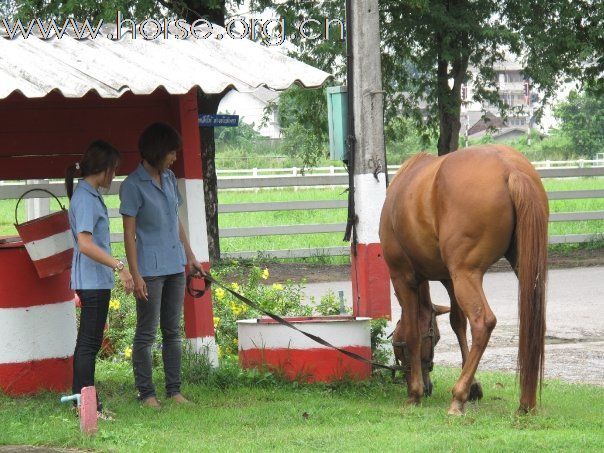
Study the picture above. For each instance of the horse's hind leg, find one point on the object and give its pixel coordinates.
(467, 286)
(408, 298)
(459, 324)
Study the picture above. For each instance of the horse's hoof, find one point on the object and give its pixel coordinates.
(456, 408)
(475, 392)
(412, 402)
(428, 388)
(525, 410)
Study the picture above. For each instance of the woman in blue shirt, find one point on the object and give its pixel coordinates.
(92, 266)
(158, 250)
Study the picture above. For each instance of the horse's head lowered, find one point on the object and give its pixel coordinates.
(430, 335)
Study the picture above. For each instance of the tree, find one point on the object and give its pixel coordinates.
(432, 47)
(444, 39)
(582, 117)
(303, 112)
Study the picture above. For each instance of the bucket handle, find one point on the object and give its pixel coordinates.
(34, 190)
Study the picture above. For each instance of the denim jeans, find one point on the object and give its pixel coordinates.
(93, 316)
(163, 307)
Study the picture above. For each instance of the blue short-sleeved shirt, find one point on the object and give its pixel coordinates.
(88, 213)
(159, 249)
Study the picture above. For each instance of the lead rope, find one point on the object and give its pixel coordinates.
(197, 293)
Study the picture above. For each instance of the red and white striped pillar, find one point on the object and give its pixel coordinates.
(370, 278)
(37, 325)
(198, 313)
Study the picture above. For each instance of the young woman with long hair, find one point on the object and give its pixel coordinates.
(93, 266)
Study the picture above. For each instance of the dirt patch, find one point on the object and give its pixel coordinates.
(320, 273)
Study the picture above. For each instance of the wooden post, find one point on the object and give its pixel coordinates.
(370, 277)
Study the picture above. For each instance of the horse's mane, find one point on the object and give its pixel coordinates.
(411, 162)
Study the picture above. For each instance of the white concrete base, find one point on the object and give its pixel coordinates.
(206, 346)
(38, 332)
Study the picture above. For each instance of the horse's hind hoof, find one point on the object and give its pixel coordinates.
(525, 410)
(475, 392)
(412, 401)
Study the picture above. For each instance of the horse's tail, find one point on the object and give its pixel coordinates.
(531, 267)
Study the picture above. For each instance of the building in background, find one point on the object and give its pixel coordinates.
(251, 108)
(515, 91)
(519, 95)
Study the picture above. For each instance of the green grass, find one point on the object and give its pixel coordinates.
(323, 240)
(339, 215)
(230, 415)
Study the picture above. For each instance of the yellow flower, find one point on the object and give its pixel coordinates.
(277, 286)
(114, 304)
(237, 309)
(265, 274)
(219, 351)
(235, 342)
(128, 352)
(216, 321)
(235, 286)
(220, 293)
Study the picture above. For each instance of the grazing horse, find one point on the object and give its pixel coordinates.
(449, 219)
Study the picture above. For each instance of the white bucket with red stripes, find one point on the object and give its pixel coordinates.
(48, 240)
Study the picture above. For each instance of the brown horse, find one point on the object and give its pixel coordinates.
(449, 218)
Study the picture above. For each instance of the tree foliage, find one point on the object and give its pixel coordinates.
(582, 117)
(447, 43)
(303, 112)
(430, 48)
(82, 10)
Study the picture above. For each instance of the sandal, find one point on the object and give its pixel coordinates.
(105, 415)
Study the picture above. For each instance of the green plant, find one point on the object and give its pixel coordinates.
(283, 299)
(329, 304)
(380, 350)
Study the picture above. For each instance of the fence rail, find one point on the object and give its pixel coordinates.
(13, 190)
(335, 170)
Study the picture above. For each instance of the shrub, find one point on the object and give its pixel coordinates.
(285, 299)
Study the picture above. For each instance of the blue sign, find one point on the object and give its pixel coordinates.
(219, 120)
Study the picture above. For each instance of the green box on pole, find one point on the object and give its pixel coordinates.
(337, 114)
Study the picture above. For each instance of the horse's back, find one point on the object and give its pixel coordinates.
(452, 211)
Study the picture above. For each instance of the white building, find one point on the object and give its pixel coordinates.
(251, 108)
(511, 84)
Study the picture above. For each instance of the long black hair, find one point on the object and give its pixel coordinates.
(99, 157)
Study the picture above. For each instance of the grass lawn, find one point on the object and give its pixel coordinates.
(234, 414)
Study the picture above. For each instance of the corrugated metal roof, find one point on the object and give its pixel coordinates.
(35, 66)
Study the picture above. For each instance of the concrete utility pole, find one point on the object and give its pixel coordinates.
(370, 277)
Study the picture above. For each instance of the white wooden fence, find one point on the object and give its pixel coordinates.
(12, 190)
(333, 170)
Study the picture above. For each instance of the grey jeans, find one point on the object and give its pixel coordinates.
(164, 307)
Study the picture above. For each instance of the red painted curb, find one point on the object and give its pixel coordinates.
(309, 365)
(27, 378)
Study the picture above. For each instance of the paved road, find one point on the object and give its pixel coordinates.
(575, 323)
